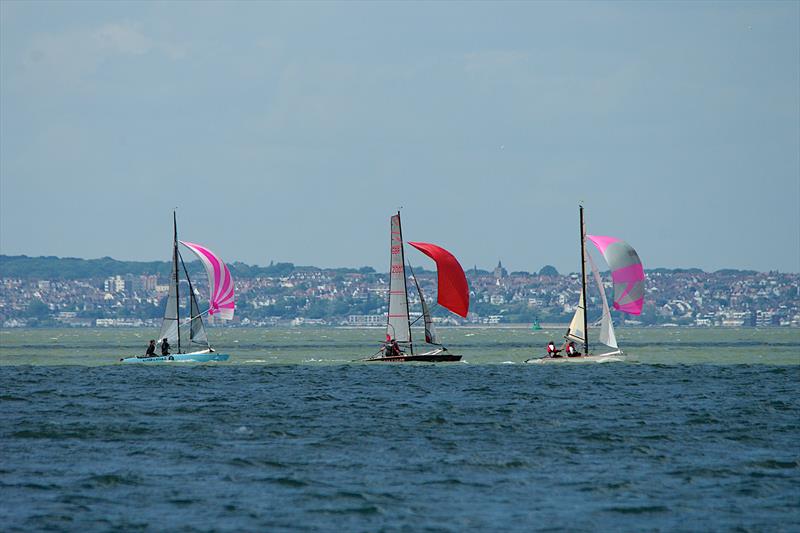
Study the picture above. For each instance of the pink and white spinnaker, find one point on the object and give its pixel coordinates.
(626, 272)
(220, 282)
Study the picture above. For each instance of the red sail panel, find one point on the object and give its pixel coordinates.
(453, 289)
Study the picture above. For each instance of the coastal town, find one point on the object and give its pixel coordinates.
(283, 294)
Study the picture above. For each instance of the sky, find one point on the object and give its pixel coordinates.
(293, 131)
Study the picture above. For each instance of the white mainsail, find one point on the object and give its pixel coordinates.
(169, 325)
(397, 327)
(607, 335)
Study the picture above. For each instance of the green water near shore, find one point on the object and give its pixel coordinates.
(254, 346)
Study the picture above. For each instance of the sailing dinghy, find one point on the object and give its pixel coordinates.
(628, 277)
(453, 294)
(188, 337)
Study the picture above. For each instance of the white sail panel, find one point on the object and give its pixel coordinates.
(430, 331)
(197, 331)
(607, 335)
(575, 331)
(169, 326)
(397, 327)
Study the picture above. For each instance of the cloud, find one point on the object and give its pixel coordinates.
(72, 56)
(122, 39)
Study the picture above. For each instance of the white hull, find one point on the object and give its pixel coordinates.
(203, 356)
(610, 357)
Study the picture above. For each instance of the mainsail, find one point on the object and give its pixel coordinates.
(397, 327)
(626, 272)
(453, 289)
(607, 335)
(169, 325)
(221, 298)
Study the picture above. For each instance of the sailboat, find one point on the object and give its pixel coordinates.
(453, 294)
(628, 277)
(187, 337)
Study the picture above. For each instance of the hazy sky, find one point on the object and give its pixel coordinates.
(292, 131)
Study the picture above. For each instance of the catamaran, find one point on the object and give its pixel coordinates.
(628, 277)
(188, 337)
(453, 294)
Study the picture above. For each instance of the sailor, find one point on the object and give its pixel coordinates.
(151, 349)
(552, 351)
(572, 351)
(392, 348)
(165, 347)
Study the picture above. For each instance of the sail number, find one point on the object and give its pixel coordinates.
(397, 269)
(395, 250)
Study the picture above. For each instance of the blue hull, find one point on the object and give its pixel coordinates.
(180, 358)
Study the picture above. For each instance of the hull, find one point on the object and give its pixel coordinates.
(436, 356)
(612, 357)
(196, 357)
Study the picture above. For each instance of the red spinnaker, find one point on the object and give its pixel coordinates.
(453, 289)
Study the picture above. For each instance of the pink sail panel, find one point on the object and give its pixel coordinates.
(453, 289)
(626, 272)
(220, 282)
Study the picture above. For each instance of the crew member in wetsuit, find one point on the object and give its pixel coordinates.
(572, 351)
(393, 349)
(151, 349)
(552, 351)
(164, 347)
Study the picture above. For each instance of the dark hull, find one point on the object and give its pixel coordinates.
(424, 358)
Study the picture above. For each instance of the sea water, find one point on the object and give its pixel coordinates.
(702, 433)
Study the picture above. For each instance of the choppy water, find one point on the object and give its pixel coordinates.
(452, 447)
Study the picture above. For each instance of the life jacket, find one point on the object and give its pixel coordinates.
(551, 348)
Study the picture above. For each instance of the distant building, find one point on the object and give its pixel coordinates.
(499, 271)
(114, 284)
(497, 299)
(366, 320)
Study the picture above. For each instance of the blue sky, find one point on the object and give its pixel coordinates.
(292, 131)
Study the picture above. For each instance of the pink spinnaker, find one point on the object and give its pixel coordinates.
(626, 272)
(220, 282)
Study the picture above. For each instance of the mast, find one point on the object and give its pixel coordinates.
(583, 283)
(175, 269)
(405, 288)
